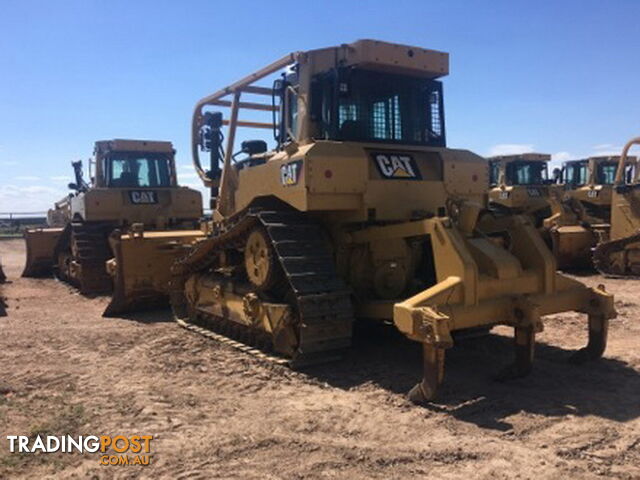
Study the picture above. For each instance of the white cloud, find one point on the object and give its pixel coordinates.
(186, 166)
(27, 178)
(510, 149)
(561, 156)
(187, 175)
(61, 178)
(29, 198)
(606, 149)
(603, 146)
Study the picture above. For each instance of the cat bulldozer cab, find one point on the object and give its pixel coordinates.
(520, 184)
(589, 185)
(360, 210)
(133, 186)
(619, 254)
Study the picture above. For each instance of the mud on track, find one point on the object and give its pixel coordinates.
(217, 413)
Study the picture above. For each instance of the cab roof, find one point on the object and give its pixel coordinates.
(124, 145)
(526, 157)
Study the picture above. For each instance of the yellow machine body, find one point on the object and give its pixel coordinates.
(343, 178)
(370, 217)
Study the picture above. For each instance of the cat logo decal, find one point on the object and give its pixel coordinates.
(290, 173)
(396, 166)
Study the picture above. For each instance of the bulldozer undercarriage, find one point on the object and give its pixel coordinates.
(267, 279)
(618, 258)
(80, 255)
(265, 284)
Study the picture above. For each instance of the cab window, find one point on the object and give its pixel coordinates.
(527, 173)
(607, 173)
(630, 174)
(134, 170)
(369, 106)
(494, 171)
(576, 174)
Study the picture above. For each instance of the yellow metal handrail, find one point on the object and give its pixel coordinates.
(235, 89)
(623, 161)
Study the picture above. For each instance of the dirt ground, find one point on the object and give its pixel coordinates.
(215, 412)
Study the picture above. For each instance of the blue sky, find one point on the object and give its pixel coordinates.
(559, 77)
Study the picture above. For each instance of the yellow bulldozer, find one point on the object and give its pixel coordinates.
(361, 211)
(520, 184)
(581, 202)
(619, 255)
(589, 186)
(133, 187)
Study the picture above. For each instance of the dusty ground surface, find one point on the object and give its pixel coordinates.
(215, 412)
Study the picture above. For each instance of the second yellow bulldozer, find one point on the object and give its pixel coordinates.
(581, 203)
(133, 187)
(519, 184)
(589, 186)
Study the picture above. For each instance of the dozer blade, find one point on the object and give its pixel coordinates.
(141, 267)
(572, 246)
(41, 243)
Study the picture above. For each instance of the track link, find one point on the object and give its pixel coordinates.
(318, 296)
(602, 258)
(224, 339)
(88, 246)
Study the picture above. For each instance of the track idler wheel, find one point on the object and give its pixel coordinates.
(260, 261)
(598, 330)
(432, 376)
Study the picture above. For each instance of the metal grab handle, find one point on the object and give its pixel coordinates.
(623, 160)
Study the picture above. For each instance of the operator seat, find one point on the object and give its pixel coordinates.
(126, 179)
(351, 129)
